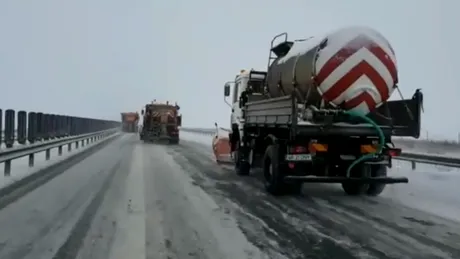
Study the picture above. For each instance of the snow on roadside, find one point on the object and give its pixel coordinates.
(196, 137)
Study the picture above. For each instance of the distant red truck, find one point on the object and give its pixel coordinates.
(129, 121)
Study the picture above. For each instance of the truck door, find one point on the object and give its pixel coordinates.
(236, 110)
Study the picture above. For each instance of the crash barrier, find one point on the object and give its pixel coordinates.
(31, 127)
(8, 155)
(411, 157)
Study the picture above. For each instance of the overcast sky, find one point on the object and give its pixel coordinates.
(97, 58)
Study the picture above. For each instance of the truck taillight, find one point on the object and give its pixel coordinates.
(297, 150)
(394, 152)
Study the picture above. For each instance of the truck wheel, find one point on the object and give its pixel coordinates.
(376, 189)
(274, 182)
(174, 141)
(356, 189)
(293, 188)
(241, 167)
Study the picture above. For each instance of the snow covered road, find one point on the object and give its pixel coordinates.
(136, 200)
(415, 220)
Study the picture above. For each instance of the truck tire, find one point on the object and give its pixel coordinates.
(294, 188)
(174, 141)
(241, 167)
(375, 189)
(355, 189)
(273, 175)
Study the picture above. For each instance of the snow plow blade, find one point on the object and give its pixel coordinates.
(312, 179)
(221, 148)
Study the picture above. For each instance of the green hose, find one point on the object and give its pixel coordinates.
(379, 133)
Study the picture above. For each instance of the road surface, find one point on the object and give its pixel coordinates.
(135, 200)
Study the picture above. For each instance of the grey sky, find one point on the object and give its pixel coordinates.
(97, 58)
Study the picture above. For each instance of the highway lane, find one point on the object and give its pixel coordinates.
(155, 210)
(129, 200)
(136, 200)
(417, 220)
(38, 224)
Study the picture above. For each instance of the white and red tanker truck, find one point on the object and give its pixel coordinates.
(320, 113)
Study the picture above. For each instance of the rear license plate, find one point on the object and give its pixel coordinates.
(298, 157)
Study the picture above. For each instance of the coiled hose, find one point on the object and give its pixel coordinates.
(379, 134)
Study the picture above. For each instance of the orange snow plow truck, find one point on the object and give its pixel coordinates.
(129, 121)
(161, 121)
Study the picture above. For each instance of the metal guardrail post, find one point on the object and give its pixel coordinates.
(57, 125)
(52, 126)
(32, 127)
(67, 125)
(22, 127)
(61, 126)
(9, 128)
(87, 125)
(46, 126)
(73, 126)
(78, 126)
(40, 127)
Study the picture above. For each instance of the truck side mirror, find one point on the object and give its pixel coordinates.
(142, 112)
(227, 90)
(179, 120)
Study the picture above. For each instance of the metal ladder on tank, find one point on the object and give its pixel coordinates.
(271, 55)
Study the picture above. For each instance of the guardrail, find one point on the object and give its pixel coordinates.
(31, 127)
(412, 157)
(7, 155)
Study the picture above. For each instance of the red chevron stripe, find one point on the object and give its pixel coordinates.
(362, 97)
(351, 48)
(363, 68)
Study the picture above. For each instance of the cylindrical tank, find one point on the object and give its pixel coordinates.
(352, 68)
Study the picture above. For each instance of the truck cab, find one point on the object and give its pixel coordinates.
(247, 81)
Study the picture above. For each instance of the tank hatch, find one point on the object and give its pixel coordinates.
(283, 48)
